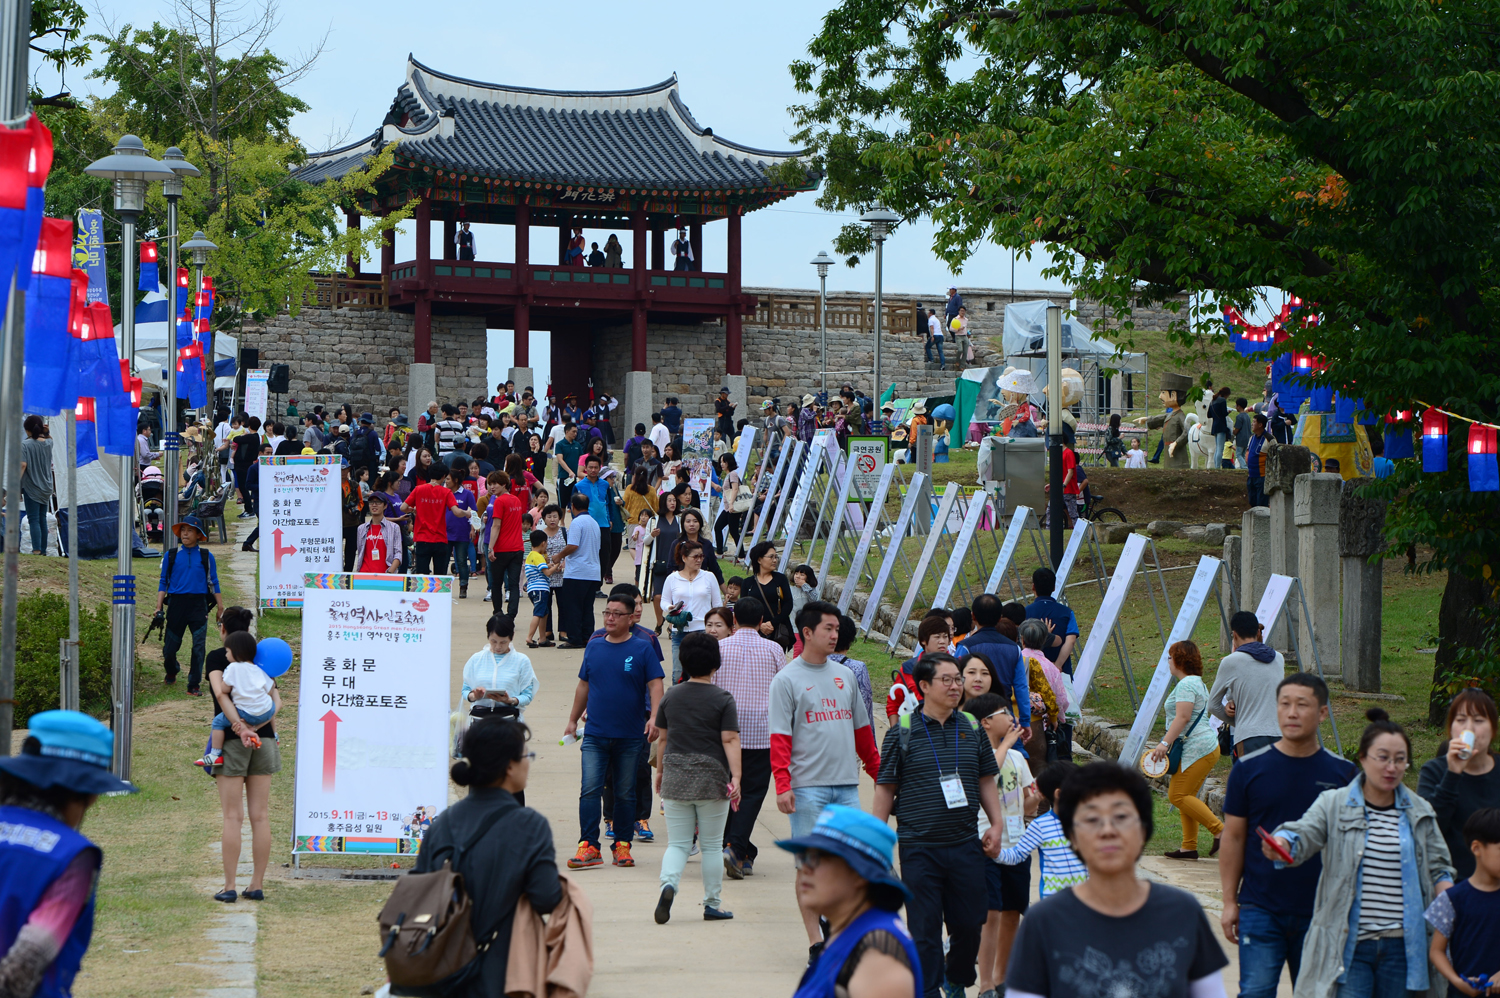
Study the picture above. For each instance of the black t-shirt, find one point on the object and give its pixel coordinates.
(1455, 796)
(695, 716)
(672, 416)
(725, 410)
(216, 661)
(1065, 949)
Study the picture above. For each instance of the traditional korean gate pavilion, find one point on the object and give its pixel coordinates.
(627, 159)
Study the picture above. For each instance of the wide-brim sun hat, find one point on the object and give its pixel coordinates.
(808, 399)
(67, 750)
(859, 839)
(919, 409)
(188, 521)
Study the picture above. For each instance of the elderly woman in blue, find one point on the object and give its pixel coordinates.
(498, 671)
(1384, 860)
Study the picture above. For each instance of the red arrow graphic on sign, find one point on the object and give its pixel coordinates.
(288, 549)
(330, 748)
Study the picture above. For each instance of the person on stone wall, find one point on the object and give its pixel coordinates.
(682, 251)
(613, 253)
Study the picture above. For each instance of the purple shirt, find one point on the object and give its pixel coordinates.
(458, 522)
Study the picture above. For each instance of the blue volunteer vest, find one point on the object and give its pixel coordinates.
(34, 851)
(1047, 608)
(818, 980)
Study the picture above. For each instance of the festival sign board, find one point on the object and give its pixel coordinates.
(1182, 630)
(88, 253)
(771, 485)
(915, 490)
(301, 523)
(1070, 554)
(742, 452)
(1007, 548)
(256, 394)
(869, 456)
(924, 561)
(1109, 611)
(866, 538)
(837, 518)
(1278, 587)
(793, 524)
(977, 503)
(698, 455)
(372, 731)
(789, 483)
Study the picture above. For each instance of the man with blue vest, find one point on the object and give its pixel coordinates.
(1003, 653)
(188, 587)
(48, 870)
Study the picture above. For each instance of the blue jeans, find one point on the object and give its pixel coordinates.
(936, 341)
(36, 516)
(812, 800)
(460, 553)
(1267, 940)
(617, 757)
(221, 723)
(676, 655)
(1378, 970)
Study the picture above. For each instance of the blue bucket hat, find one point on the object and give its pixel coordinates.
(68, 750)
(863, 841)
(177, 528)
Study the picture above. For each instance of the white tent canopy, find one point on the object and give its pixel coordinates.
(1026, 333)
(151, 343)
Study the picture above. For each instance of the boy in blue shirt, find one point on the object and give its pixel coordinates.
(1466, 917)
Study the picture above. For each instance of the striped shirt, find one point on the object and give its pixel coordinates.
(1380, 908)
(1061, 866)
(747, 664)
(537, 580)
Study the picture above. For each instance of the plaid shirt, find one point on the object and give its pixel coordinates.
(747, 664)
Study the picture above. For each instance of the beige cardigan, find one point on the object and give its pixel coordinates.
(554, 959)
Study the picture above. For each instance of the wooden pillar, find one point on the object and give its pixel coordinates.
(695, 239)
(387, 252)
(450, 239)
(658, 247)
(523, 242)
(564, 225)
(734, 347)
(423, 331)
(522, 323)
(351, 219)
(522, 318)
(423, 216)
(638, 246)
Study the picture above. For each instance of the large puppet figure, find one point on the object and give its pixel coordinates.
(1016, 415)
(1172, 423)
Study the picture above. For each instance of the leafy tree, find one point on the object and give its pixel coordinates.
(1341, 151)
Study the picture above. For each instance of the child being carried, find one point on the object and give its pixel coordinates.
(249, 695)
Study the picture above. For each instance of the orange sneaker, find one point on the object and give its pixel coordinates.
(586, 856)
(622, 854)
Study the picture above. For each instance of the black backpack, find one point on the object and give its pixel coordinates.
(359, 448)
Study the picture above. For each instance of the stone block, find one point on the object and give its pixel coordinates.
(1284, 462)
(1215, 534)
(1163, 528)
(1315, 499)
(421, 387)
(1284, 561)
(1361, 521)
(1192, 532)
(1116, 533)
(1255, 555)
(1230, 593)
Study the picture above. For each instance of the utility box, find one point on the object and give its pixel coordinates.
(1020, 463)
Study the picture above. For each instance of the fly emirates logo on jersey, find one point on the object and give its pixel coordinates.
(828, 710)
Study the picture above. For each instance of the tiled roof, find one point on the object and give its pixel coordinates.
(644, 139)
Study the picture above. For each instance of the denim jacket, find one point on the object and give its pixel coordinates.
(1335, 825)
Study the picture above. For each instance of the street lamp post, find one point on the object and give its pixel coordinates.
(171, 439)
(200, 246)
(880, 219)
(131, 169)
(823, 261)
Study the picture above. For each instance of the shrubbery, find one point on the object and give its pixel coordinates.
(41, 622)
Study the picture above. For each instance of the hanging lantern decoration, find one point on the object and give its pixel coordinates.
(1435, 440)
(1484, 471)
(49, 299)
(1398, 443)
(150, 278)
(184, 279)
(87, 448)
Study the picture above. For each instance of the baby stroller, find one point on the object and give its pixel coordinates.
(150, 500)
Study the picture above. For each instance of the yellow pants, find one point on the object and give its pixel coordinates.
(1182, 792)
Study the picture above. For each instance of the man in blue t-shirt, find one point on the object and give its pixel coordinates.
(617, 675)
(1064, 624)
(643, 831)
(1267, 910)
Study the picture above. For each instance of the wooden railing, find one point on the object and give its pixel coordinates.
(800, 311)
(338, 291)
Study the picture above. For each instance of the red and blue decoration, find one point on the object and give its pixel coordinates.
(49, 300)
(1484, 471)
(150, 277)
(1398, 443)
(1434, 440)
(184, 280)
(88, 444)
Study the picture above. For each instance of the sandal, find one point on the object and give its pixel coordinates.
(547, 644)
(531, 644)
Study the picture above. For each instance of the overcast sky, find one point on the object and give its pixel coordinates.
(731, 61)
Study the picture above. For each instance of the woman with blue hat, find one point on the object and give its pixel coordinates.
(48, 870)
(844, 875)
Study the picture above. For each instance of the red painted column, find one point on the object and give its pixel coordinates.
(733, 336)
(523, 242)
(522, 318)
(658, 248)
(423, 323)
(522, 323)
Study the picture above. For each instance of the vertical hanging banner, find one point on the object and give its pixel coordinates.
(301, 524)
(1109, 611)
(1007, 549)
(698, 455)
(869, 456)
(372, 731)
(1182, 630)
(88, 253)
(256, 395)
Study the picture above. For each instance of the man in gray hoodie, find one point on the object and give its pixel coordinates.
(1244, 691)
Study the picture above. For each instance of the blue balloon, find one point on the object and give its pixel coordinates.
(274, 656)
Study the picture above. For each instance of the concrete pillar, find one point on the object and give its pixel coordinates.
(525, 378)
(636, 405)
(421, 380)
(1230, 593)
(1284, 463)
(1361, 536)
(1255, 556)
(1316, 511)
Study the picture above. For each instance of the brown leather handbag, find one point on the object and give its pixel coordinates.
(429, 944)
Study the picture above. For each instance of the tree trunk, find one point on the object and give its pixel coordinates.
(1460, 625)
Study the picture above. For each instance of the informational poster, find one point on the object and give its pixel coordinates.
(1070, 555)
(869, 455)
(256, 395)
(301, 524)
(915, 490)
(977, 503)
(836, 521)
(698, 454)
(1007, 548)
(816, 451)
(372, 728)
(866, 538)
(88, 253)
(924, 562)
(788, 487)
(1109, 611)
(1182, 630)
(742, 452)
(1272, 600)
(771, 485)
